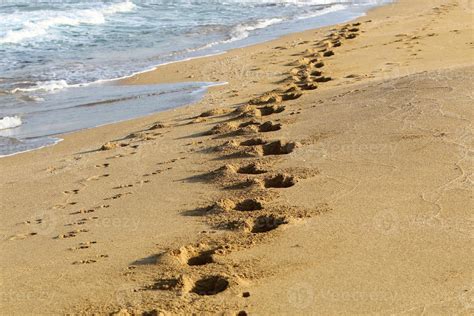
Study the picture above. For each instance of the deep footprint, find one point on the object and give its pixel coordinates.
(280, 181)
(269, 127)
(268, 223)
(210, 285)
(278, 148)
(269, 110)
(201, 259)
(249, 205)
(251, 169)
(253, 142)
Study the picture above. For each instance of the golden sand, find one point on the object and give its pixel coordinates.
(331, 175)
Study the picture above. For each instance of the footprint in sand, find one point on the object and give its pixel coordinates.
(22, 236)
(71, 234)
(274, 148)
(98, 177)
(42, 222)
(274, 97)
(267, 110)
(104, 165)
(256, 147)
(123, 186)
(75, 191)
(83, 245)
(265, 223)
(116, 156)
(117, 196)
(327, 53)
(279, 181)
(248, 205)
(205, 286)
(199, 255)
(142, 182)
(245, 205)
(83, 211)
(253, 142)
(253, 168)
(92, 260)
(210, 285)
(82, 221)
(321, 79)
(254, 126)
(111, 146)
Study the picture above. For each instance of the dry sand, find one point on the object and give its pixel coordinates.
(332, 175)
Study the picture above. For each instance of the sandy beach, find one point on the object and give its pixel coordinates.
(331, 175)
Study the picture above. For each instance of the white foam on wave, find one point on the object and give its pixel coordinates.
(241, 31)
(300, 3)
(10, 122)
(24, 146)
(331, 9)
(38, 25)
(98, 14)
(47, 86)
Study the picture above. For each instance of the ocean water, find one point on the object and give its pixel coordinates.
(59, 59)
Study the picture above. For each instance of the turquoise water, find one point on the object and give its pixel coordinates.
(59, 55)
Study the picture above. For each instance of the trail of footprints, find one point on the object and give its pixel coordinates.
(411, 43)
(252, 213)
(80, 219)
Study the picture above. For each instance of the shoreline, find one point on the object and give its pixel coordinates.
(128, 80)
(155, 69)
(331, 173)
(56, 138)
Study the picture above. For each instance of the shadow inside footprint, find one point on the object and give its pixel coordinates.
(322, 79)
(210, 285)
(249, 205)
(277, 148)
(265, 223)
(253, 142)
(269, 127)
(251, 169)
(269, 110)
(279, 181)
(201, 259)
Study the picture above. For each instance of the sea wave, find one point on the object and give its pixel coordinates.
(240, 32)
(333, 8)
(36, 26)
(10, 122)
(10, 146)
(300, 3)
(46, 86)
